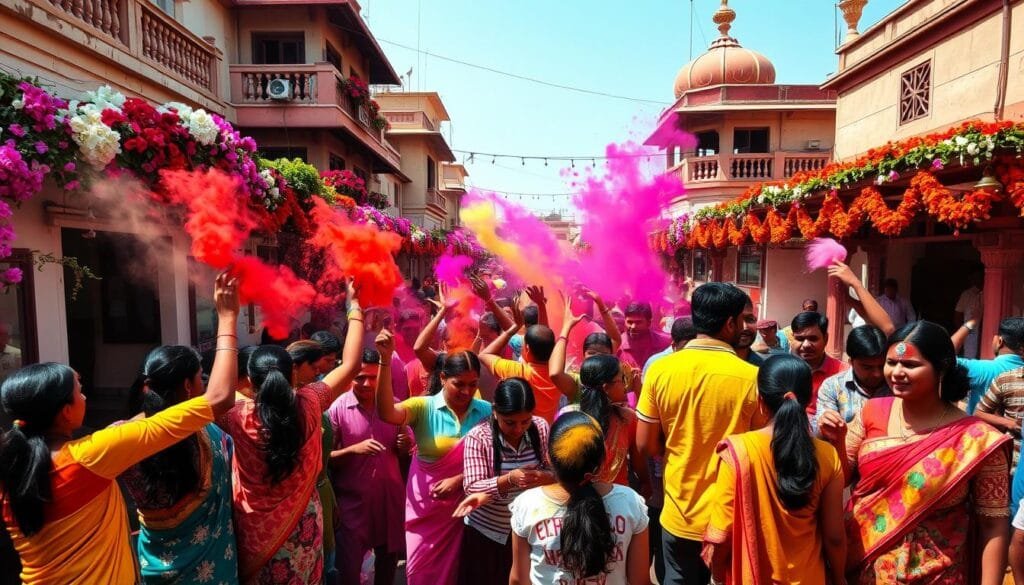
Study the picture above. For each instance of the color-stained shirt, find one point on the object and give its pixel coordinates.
(843, 394)
(545, 393)
(635, 351)
(85, 538)
(829, 367)
(369, 488)
(1005, 397)
(539, 519)
(981, 374)
(493, 519)
(436, 427)
(699, 395)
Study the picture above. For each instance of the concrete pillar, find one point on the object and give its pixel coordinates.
(717, 265)
(1002, 254)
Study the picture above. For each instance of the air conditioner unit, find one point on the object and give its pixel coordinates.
(279, 89)
(813, 145)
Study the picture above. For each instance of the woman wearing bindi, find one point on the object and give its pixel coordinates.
(925, 475)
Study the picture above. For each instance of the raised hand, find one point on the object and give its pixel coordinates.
(385, 343)
(225, 294)
(536, 294)
(843, 273)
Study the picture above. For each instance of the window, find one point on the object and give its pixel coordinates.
(361, 173)
(707, 143)
(745, 140)
(333, 57)
(18, 346)
(431, 174)
(700, 265)
(278, 48)
(166, 5)
(288, 152)
(915, 92)
(336, 163)
(748, 266)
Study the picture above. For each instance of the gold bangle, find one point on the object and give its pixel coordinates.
(234, 349)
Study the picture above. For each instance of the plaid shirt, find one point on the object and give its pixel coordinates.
(493, 519)
(844, 395)
(1005, 397)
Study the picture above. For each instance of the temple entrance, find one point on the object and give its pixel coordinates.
(938, 277)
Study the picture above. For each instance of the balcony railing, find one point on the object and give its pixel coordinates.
(752, 167)
(410, 119)
(435, 198)
(310, 85)
(141, 29)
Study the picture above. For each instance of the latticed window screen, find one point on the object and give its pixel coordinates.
(916, 92)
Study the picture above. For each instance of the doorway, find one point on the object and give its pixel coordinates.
(112, 322)
(939, 276)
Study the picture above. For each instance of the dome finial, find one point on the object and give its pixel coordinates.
(723, 17)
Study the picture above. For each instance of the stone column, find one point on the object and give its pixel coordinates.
(1002, 254)
(717, 265)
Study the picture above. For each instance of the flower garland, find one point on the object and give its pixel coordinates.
(971, 143)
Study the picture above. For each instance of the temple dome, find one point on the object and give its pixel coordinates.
(725, 62)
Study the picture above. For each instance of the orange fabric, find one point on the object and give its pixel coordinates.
(545, 392)
(87, 539)
(769, 543)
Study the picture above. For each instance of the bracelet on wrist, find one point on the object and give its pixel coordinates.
(228, 335)
(384, 364)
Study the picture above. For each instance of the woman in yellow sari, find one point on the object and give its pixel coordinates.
(930, 504)
(778, 511)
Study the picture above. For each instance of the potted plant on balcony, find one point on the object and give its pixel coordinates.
(356, 89)
(346, 183)
(377, 200)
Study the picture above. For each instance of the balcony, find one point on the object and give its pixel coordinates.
(435, 198)
(313, 101)
(453, 177)
(410, 121)
(136, 35)
(751, 167)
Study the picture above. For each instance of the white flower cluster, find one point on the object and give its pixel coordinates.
(272, 197)
(202, 127)
(98, 142)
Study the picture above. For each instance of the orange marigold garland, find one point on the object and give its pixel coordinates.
(781, 228)
(940, 201)
(737, 234)
(759, 231)
(810, 228)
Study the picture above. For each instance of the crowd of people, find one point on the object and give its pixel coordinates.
(685, 444)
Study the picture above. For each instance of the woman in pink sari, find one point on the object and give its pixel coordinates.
(438, 420)
(930, 503)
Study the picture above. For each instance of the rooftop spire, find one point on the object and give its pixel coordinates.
(723, 17)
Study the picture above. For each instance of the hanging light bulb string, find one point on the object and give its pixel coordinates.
(470, 157)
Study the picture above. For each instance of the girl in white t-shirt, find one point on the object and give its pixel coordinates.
(578, 531)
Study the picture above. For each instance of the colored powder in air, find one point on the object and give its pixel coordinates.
(619, 209)
(282, 296)
(357, 250)
(218, 219)
(451, 268)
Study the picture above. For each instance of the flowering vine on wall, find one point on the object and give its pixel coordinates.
(772, 213)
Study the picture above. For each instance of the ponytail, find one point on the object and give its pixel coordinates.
(595, 372)
(33, 396)
(784, 383)
(276, 408)
(576, 450)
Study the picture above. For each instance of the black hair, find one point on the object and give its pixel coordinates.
(531, 315)
(173, 472)
(1011, 330)
(638, 309)
(714, 304)
(307, 330)
(370, 356)
(327, 341)
(808, 302)
(450, 365)
(588, 544)
(597, 338)
(541, 341)
(595, 372)
(490, 321)
(683, 330)
(866, 341)
(810, 319)
(793, 452)
(513, 395)
(33, 396)
(280, 433)
(890, 282)
(244, 355)
(305, 352)
(932, 340)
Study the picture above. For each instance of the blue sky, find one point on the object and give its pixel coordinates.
(631, 49)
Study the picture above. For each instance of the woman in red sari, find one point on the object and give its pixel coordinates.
(930, 502)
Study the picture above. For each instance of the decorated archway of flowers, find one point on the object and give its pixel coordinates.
(72, 143)
(773, 213)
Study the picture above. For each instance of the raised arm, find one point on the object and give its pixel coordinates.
(606, 319)
(421, 347)
(873, 312)
(220, 390)
(962, 333)
(483, 291)
(492, 353)
(341, 377)
(536, 294)
(387, 410)
(556, 364)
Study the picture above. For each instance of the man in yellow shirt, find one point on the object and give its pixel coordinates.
(695, 398)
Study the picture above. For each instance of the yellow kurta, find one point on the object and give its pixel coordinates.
(788, 542)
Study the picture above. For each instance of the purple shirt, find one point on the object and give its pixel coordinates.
(369, 488)
(635, 351)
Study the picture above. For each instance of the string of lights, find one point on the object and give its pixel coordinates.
(471, 156)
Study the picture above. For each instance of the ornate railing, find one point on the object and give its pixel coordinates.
(107, 16)
(171, 45)
(435, 198)
(752, 167)
(804, 163)
(256, 84)
(704, 168)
